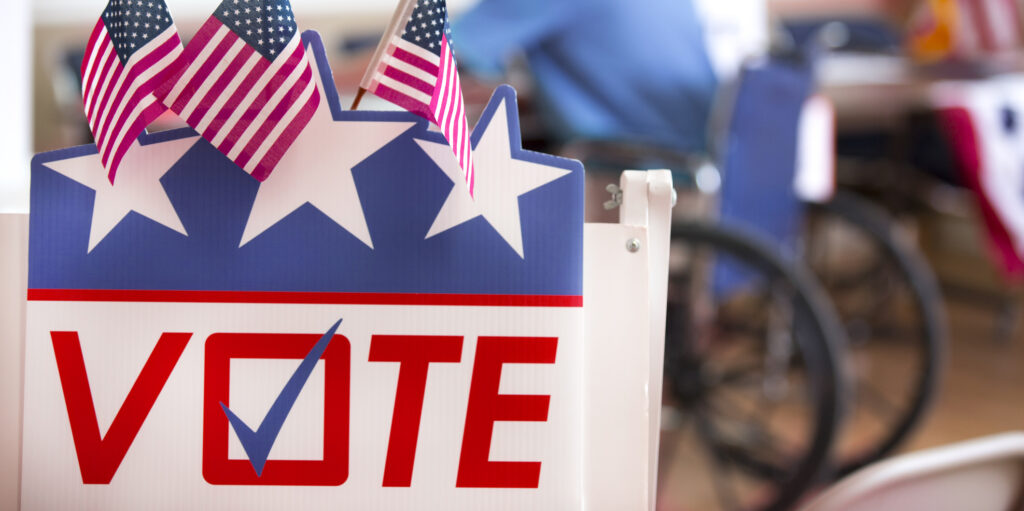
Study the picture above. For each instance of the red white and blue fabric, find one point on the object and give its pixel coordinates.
(983, 123)
(245, 83)
(132, 51)
(417, 71)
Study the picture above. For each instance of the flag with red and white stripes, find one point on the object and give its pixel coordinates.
(989, 26)
(415, 68)
(245, 83)
(133, 50)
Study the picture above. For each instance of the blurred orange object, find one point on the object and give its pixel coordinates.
(965, 30)
(931, 30)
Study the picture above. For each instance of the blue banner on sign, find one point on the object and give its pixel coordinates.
(367, 205)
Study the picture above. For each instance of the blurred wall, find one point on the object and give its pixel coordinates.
(15, 132)
(896, 11)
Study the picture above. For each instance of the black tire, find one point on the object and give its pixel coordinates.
(912, 271)
(817, 337)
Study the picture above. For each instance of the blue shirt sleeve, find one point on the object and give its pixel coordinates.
(491, 32)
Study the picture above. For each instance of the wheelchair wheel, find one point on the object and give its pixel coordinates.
(752, 387)
(888, 300)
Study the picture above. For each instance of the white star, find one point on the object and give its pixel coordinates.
(500, 180)
(318, 169)
(137, 187)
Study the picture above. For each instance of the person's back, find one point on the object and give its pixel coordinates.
(606, 69)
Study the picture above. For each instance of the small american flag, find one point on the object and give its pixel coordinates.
(415, 69)
(246, 84)
(132, 51)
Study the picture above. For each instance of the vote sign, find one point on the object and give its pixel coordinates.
(355, 332)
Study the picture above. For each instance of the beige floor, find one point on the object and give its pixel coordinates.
(983, 388)
(982, 393)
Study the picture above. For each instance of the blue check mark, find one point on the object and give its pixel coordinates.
(257, 443)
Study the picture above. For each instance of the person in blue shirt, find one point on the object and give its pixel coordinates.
(624, 70)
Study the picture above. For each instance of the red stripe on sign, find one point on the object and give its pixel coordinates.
(296, 297)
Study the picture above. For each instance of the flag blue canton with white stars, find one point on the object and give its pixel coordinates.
(427, 24)
(132, 24)
(266, 25)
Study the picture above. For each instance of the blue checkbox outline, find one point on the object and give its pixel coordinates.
(257, 444)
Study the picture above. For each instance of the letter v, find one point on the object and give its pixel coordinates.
(99, 457)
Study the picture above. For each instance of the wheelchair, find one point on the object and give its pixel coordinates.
(803, 340)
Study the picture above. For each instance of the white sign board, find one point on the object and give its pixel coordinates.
(356, 331)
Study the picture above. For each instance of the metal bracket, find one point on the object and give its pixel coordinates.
(616, 199)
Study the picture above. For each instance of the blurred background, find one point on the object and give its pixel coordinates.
(847, 267)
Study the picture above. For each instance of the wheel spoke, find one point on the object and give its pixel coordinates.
(743, 376)
(763, 450)
(725, 489)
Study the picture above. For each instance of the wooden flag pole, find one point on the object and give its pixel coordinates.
(359, 97)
